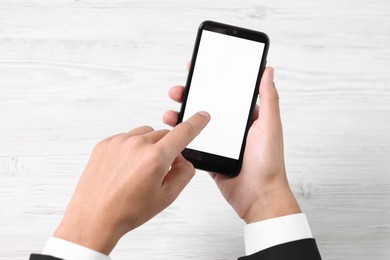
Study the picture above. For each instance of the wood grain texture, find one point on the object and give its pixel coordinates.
(74, 72)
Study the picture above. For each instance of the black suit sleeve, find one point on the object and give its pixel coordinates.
(43, 257)
(305, 249)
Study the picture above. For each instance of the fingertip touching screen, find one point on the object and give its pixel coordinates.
(223, 83)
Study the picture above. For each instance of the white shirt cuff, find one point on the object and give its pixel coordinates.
(70, 251)
(275, 231)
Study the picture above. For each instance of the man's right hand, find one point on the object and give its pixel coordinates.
(261, 190)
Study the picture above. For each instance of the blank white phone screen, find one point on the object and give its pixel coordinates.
(223, 82)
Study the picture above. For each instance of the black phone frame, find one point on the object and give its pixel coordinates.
(207, 161)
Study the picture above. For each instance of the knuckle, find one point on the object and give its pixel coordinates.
(135, 141)
(156, 158)
(159, 154)
(101, 145)
(148, 128)
(188, 129)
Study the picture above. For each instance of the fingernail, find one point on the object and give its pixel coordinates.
(271, 74)
(204, 114)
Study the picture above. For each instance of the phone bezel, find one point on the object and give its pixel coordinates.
(212, 162)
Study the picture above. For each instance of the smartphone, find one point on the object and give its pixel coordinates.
(223, 79)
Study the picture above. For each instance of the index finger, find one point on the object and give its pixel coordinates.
(181, 135)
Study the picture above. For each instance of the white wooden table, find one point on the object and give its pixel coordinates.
(74, 72)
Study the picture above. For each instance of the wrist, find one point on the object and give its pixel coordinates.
(272, 204)
(92, 235)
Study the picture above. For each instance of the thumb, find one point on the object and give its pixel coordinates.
(178, 177)
(269, 113)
